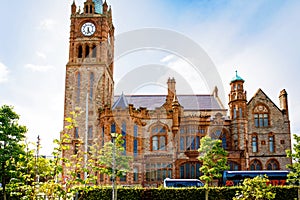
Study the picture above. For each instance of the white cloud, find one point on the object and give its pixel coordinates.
(41, 55)
(46, 24)
(3, 73)
(39, 68)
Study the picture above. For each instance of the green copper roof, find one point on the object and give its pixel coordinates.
(237, 77)
(98, 6)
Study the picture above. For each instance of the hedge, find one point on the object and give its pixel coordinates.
(215, 193)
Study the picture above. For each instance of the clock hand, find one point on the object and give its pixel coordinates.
(88, 30)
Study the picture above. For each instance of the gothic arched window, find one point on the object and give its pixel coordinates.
(273, 164)
(87, 51)
(94, 51)
(158, 138)
(255, 165)
(234, 166)
(80, 51)
(135, 140)
(124, 137)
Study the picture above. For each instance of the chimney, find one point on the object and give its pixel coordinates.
(171, 88)
(283, 101)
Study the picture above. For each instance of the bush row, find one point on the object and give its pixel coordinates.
(216, 193)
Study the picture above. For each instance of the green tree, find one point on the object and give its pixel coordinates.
(11, 136)
(30, 172)
(294, 175)
(214, 161)
(213, 158)
(255, 189)
(105, 158)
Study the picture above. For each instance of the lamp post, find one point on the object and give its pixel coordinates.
(114, 189)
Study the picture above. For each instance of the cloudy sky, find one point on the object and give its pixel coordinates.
(260, 39)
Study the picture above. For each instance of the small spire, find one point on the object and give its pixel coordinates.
(237, 77)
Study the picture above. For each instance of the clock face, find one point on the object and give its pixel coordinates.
(88, 29)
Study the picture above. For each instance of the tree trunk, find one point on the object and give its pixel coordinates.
(206, 194)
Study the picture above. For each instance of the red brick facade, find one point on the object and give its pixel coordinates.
(163, 141)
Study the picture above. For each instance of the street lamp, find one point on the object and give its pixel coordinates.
(114, 189)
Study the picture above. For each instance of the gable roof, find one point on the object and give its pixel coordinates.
(188, 102)
(262, 92)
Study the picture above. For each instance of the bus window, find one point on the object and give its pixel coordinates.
(182, 183)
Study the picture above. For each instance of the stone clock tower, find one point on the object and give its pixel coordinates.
(89, 71)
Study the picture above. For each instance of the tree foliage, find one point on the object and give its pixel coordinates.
(294, 175)
(256, 189)
(213, 158)
(104, 157)
(11, 136)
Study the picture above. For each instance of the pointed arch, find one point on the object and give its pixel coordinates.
(272, 164)
(87, 51)
(255, 165)
(80, 51)
(94, 51)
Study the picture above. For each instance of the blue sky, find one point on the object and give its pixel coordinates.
(260, 39)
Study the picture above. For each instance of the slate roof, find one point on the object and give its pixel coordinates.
(189, 102)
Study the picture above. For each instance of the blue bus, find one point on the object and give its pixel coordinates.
(276, 177)
(182, 183)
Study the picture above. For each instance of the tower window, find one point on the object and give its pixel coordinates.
(91, 85)
(87, 9)
(241, 112)
(87, 51)
(90, 132)
(135, 141)
(80, 51)
(234, 113)
(78, 88)
(94, 53)
(124, 137)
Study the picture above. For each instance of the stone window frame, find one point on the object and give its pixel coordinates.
(271, 135)
(261, 112)
(223, 136)
(257, 162)
(156, 132)
(188, 131)
(254, 135)
(158, 171)
(273, 162)
(188, 170)
(234, 166)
